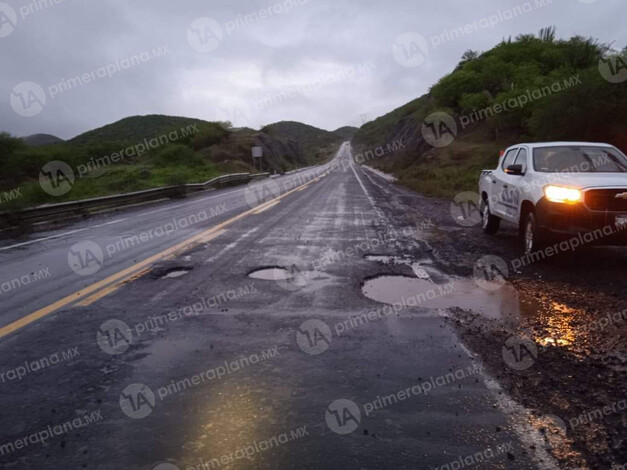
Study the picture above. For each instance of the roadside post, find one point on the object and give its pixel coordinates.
(258, 153)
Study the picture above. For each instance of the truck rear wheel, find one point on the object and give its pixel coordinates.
(489, 223)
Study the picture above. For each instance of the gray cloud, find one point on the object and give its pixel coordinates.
(323, 62)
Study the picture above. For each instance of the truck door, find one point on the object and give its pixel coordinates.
(502, 190)
(517, 185)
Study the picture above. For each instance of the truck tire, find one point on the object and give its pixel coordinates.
(532, 237)
(489, 223)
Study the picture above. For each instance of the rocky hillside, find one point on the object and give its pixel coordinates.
(314, 144)
(531, 88)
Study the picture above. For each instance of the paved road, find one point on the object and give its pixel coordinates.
(227, 366)
(43, 263)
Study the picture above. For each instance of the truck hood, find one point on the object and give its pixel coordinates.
(586, 180)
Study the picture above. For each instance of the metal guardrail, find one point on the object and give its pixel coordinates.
(50, 212)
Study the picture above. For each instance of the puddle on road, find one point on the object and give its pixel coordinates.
(551, 323)
(291, 278)
(271, 274)
(458, 292)
(175, 273)
(430, 288)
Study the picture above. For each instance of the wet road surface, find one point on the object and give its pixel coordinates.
(253, 347)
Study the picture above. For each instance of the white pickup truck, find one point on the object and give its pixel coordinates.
(558, 190)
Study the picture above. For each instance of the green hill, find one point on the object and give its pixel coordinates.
(531, 88)
(136, 128)
(41, 139)
(143, 152)
(315, 144)
(346, 132)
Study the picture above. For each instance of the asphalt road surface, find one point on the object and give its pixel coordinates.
(243, 339)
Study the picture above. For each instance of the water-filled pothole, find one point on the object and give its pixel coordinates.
(291, 278)
(174, 273)
(458, 292)
(271, 274)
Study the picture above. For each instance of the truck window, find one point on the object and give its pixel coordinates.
(521, 159)
(574, 159)
(509, 158)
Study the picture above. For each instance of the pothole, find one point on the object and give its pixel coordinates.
(458, 292)
(271, 274)
(174, 273)
(170, 269)
(291, 278)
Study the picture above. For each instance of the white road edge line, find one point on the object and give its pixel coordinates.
(59, 235)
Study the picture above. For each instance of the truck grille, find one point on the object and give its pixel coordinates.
(605, 200)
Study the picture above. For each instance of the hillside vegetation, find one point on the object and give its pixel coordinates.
(531, 88)
(143, 152)
(315, 143)
(135, 128)
(346, 132)
(41, 139)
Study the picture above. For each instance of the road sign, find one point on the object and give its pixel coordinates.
(257, 152)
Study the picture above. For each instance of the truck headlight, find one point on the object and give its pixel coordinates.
(562, 194)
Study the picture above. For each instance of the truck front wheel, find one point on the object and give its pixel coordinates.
(489, 223)
(532, 238)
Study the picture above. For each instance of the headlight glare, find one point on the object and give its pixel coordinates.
(562, 194)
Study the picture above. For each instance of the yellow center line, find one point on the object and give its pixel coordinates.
(263, 209)
(125, 274)
(107, 290)
(136, 275)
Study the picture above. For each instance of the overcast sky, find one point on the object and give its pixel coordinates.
(69, 66)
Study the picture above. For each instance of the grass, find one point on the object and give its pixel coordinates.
(117, 179)
(447, 171)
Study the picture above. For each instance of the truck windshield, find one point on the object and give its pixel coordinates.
(576, 159)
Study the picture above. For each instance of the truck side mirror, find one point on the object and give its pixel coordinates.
(514, 170)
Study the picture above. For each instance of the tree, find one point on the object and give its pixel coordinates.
(547, 34)
(8, 146)
(467, 57)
